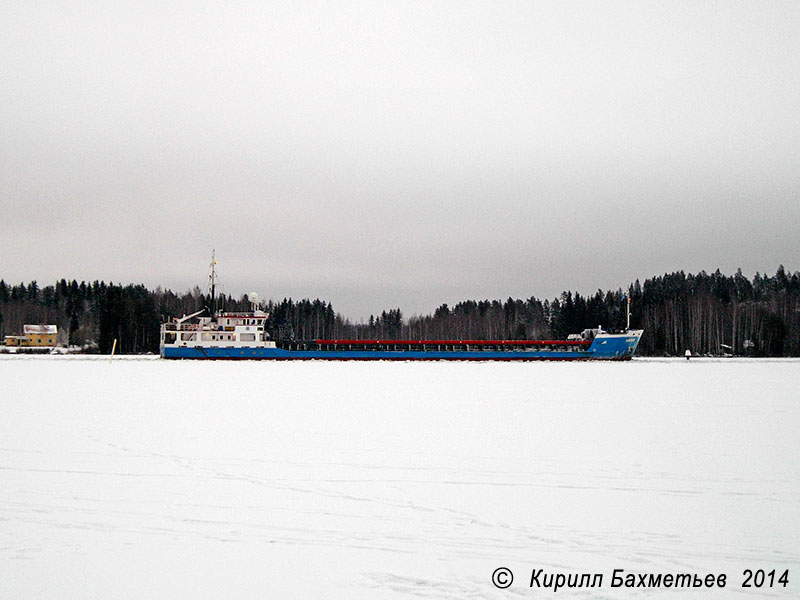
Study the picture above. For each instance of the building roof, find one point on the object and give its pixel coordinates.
(34, 329)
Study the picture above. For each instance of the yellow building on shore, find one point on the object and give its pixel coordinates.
(34, 336)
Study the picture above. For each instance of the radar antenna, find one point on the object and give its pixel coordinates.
(253, 298)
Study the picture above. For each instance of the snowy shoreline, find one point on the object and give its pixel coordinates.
(635, 359)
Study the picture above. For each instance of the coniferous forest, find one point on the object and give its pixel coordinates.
(707, 313)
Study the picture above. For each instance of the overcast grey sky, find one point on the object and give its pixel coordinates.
(385, 154)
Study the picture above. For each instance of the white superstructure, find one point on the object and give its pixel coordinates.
(225, 330)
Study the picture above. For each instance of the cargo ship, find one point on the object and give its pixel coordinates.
(243, 335)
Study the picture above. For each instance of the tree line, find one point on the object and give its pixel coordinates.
(707, 313)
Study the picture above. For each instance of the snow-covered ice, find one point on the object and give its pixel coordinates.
(144, 478)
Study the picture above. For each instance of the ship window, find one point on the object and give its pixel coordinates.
(247, 337)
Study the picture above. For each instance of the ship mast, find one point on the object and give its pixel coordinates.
(629, 312)
(212, 282)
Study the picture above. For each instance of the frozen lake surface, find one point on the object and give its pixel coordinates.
(152, 479)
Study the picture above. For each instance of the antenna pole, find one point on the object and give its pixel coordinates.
(212, 280)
